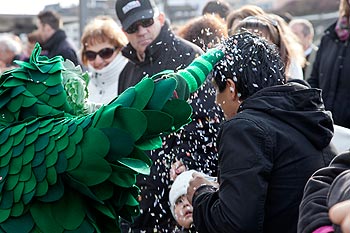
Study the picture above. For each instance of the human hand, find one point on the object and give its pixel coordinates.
(340, 215)
(176, 169)
(197, 181)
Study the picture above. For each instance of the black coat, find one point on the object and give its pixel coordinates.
(326, 187)
(194, 145)
(330, 73)
(267, 152)
(58, 44)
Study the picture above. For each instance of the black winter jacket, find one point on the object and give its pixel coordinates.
(58, 44)
(326, 187)
(194, 145)
(330, 73)
(267, 152)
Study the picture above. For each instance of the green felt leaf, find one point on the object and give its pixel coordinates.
(63, 131)
(105, 210)
(30, 184)
(4, 214)
(16, 165)
(11, 82)
(141, 155)
(57, 101)
(163, 90)
(126, 98)
(28, 154)
(136, 165)
(132, 121)
(54, 193)
(5, 147)
(62, 142)
(106, 118)
(39, 158)
(17, 90)
(121, 143)
(18, 191)
(5, 159)
(6, 200)
(47, 128)
(36, 88)
(40, 172)
(26, 173)
(41, 142)
(18, 149)
(157, 122)
(42, 188)
(51, 175)
(51, 146)
(4, 134)
(149, 144)
(93, 169)
(122, 176)
(81, 188)
(31, 138)
(70, 149)
(19, 136)
(17, 209)
(103, 191)
(74, 161)
(180, 110)
(70, 218)
(25, 223)
(51, 158)
(15, 104)
(42, 216)
(55, 90)
(11, 182)
(143, 92)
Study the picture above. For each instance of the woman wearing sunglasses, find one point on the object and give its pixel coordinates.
(101, 42)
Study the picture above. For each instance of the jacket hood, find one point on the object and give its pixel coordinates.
(297, 105)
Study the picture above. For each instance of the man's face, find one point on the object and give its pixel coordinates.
(144, 36)
(42, 31)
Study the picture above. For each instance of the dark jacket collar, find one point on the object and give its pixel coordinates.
(154, 50)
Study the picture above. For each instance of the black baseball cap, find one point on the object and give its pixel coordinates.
(131, 11)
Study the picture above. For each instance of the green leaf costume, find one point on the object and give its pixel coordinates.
(63, 169)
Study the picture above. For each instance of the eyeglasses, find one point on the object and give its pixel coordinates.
(135, 26)
(104, 53)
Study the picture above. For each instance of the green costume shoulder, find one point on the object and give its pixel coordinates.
(63, 169)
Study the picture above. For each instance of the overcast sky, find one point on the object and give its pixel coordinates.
(30, 7)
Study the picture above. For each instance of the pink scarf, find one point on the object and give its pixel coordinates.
(342, 28)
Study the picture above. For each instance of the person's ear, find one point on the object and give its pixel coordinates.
(161, 18)
(231, 85)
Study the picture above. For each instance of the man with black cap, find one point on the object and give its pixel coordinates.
(152, 48)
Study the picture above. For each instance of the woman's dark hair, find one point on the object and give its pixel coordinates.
(251, 62)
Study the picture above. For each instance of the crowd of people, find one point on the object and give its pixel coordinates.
(268, 145)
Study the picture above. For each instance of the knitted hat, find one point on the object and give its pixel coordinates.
(179, 188)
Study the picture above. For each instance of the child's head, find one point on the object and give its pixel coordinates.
(179, 204)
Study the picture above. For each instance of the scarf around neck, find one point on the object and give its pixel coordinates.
(103, 84)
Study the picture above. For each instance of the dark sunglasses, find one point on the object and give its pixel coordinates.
(104, 53)
(135, 26)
